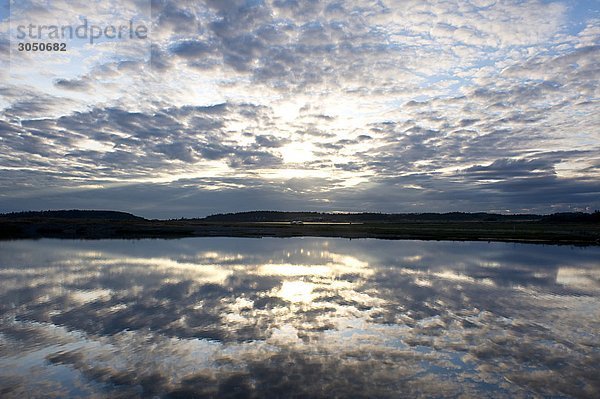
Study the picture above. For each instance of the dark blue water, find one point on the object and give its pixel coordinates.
(226, 317)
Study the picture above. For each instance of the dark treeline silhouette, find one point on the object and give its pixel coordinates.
(277, 216)
(573, 217)
(73, 214)
(281, 216)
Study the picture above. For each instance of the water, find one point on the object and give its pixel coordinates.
(302, 317)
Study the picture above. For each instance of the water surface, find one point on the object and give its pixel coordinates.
(301, 317)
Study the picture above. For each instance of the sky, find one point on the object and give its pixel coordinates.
(236, 105)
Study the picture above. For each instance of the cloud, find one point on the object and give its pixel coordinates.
(511, 168)
(426, 102)
(77, 84)
(190, 49)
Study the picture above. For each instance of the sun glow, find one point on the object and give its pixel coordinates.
(297, 152)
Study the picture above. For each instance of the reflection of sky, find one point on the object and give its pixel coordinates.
(270, 317)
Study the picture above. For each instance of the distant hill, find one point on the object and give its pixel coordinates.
(72, 214)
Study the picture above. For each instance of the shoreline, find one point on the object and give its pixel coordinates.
(528, 232)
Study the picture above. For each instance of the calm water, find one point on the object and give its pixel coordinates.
(226, 317)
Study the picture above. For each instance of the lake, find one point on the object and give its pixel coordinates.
(301, 317)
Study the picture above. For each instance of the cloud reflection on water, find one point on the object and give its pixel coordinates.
(304, 317)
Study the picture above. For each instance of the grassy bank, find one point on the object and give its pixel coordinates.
(533, 231)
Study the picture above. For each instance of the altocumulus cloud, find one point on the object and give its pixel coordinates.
(392, 106)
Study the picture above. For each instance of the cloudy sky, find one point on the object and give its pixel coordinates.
(333, 105)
